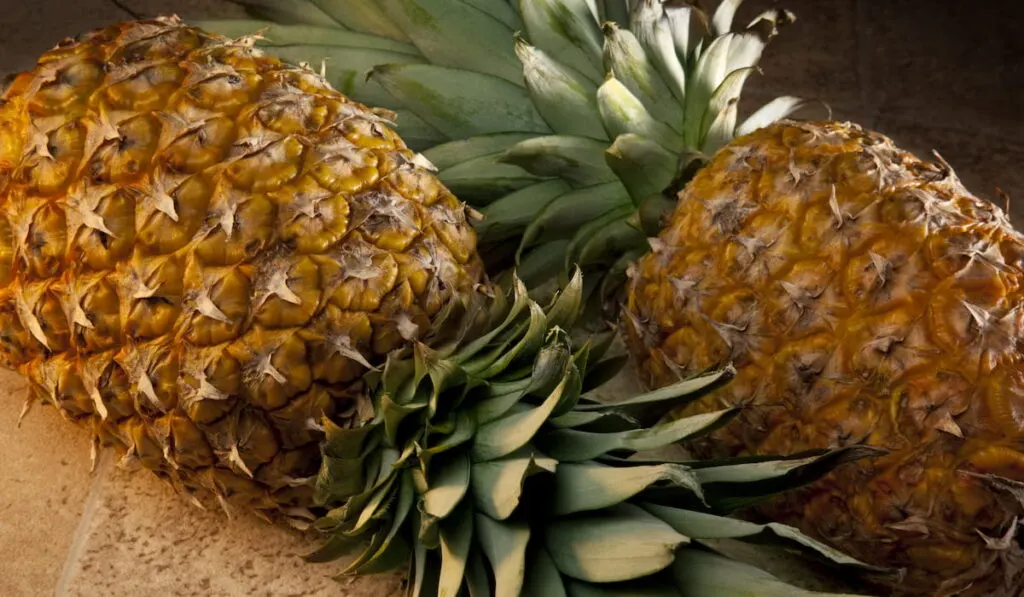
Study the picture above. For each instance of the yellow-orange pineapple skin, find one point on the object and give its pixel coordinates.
(202, 250)
(864, 296)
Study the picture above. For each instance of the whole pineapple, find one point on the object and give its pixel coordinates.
(203, 249)
(865, 296)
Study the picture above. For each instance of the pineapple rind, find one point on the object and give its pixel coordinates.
(865, 297)
(203, 249)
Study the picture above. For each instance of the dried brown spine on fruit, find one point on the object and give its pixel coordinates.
(202, 250)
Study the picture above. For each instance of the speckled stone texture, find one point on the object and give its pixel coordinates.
(932, 74)
(38, 512)
(120, 533)
(138, 525)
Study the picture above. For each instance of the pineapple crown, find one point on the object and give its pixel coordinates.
(490, 465)
(570, 124)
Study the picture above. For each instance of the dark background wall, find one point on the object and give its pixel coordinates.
(933, 74)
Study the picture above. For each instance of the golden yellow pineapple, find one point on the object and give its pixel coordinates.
(864, 296)
(202, 250)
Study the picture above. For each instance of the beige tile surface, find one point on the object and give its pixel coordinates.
(145, 539)
(67, 532)
(44, 482)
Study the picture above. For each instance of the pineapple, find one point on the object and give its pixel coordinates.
(865, 297)
(616, 106)
(204, 249)
(248, 283)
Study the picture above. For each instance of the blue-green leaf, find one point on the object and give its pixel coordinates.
(706, 77)
(644, 166)
(478, 582)
(720, 119)
(721, 21)
(498, 484)
(570, 445)
(622, 113)
(289, 12)
(461, 103)
(576, 160)
(416, 133)
(622, 543)
(448, 485)
(482, 43)
(365, 16)
(347, 68)
(564, 215)
(651, 406)
(642, 588)
(625, 58)
(453, 153)
(700, 525)
(542, 263)
(278, 34)
(701, 573)
(565, 29)
(503, 10)
(456, 539)
(603, 239)
(391, 553)
(773, 111)
(508, 434)
(542, 577)
(563, 95)
(592, 486)
(509, 216)
(652, 29)
(482, 180)
(505, 546)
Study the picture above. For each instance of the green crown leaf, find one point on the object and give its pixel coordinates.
(489, 468)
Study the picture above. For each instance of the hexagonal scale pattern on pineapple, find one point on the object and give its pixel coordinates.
(202, 249)
(865, 296)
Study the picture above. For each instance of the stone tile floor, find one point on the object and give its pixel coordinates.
(934, 75)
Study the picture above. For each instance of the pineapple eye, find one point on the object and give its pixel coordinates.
(135, 54)
(36, 242)
(65, 77)
(97, 173)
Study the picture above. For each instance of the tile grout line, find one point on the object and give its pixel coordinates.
(78, 540)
